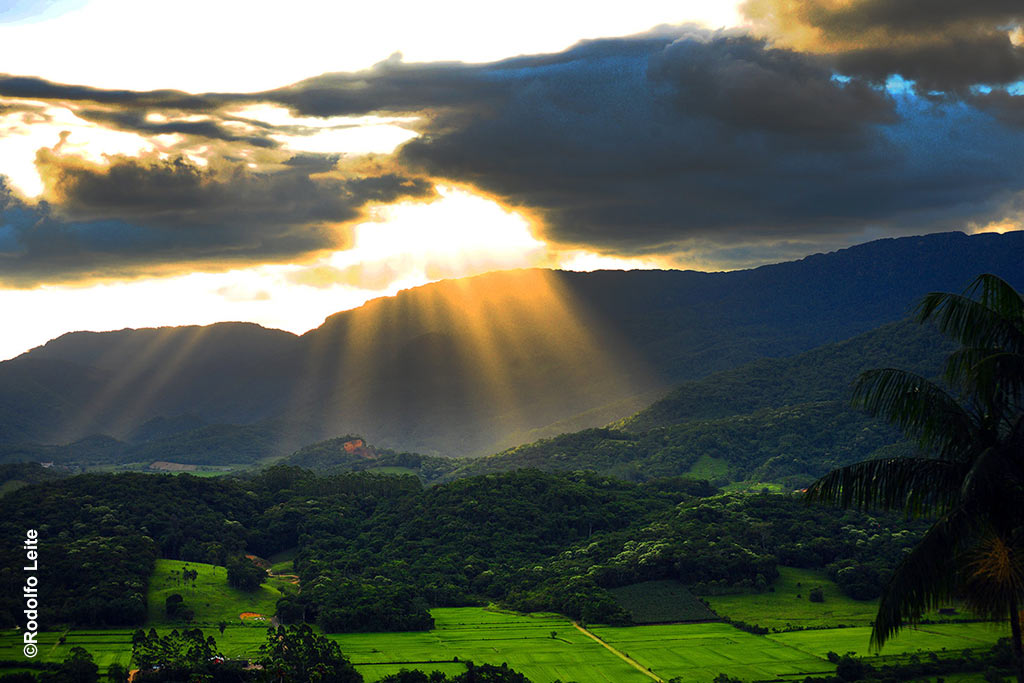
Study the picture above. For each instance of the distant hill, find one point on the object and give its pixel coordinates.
(783, 419)
(219, 444)
(471, 366)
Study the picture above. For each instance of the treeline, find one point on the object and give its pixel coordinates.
(792, 445)
(217, 444)
(375, 552)
(15, 475)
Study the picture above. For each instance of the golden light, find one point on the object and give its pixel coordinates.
(503, 347)
(23, 133)
(404, 245)
(516, 337)
(456, 235)
(1000, 226)
(588, 261)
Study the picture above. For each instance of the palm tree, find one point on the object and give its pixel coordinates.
(970, 473)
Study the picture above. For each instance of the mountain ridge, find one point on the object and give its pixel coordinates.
(465, 367)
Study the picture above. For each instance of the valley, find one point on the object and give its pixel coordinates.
(423, 507)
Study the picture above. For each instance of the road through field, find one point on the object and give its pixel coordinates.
(621, 655)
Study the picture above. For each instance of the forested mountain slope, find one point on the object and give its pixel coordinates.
(783, 420)
(470, 366)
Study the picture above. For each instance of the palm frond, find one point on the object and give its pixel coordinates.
(926, 579)
(995, 320)
(921, 409)
(919, 486)
(995, 379)
(997, 294)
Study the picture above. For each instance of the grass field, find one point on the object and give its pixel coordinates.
(210, 597)
(694, 652)
(699, 652)
(789, 606)
(106, 647)
(523, 641)
(924, 638)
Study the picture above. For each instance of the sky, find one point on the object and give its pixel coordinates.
(187, 163)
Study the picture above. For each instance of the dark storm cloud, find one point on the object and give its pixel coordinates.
(944, 45)
(907, 16)
(954, 64)
(151, 215)
(392, 86)
(135, 121)
(40, 89)
(1006, 107)
(636, 145)
(129, 111)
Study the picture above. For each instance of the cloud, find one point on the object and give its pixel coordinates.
(642, 145)
(943, 45)
(150, 215)
(28, 87)
(1006, 107)
(136, 121)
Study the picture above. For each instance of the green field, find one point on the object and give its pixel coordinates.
(210, 597)
(694, 652)
(115, 645)
(924, 638)
(523, 641)
(788, 606)
(106, 647)
(699, 652)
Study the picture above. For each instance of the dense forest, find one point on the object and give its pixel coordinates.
(785, 420)
(373, 552)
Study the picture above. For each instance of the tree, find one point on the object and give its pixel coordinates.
(173, 604)
(245, 574)
(80, 667)
(970, 473)
(183, 653)
(116, 673)
(294, 654)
